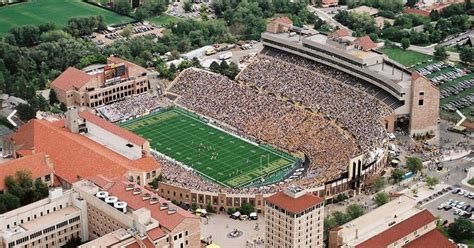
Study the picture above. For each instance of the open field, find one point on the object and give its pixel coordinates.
(405, 57)
(213, 153)
(162, 20)
(56, 11)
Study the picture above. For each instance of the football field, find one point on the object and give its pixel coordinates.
(215, 154)
(37, 12)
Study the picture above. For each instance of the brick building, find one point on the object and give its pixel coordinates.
(105, 84)
(294, 218)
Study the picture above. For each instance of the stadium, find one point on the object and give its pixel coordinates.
(291, 117)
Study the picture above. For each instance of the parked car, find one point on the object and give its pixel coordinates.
(253, 216)
(455, 191)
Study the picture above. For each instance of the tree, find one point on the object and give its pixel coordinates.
(214, 67)
(41, 189)
(127, 31)
(379, 184)
(25, 112)
(381, 198)
(194, 206)
(123, 7)
(187, 6)
(467, 54)
(461, 229)
(54, 35)
(397, 175)
(414, 164)
(73, 242)
(340, 217)
(411, 3)
(431, 181)
(405, 43)
(209, 208)
(53, 98)
(246, 208)
(8, 202)
(440, 53)
(434, 15)
(435, 36)
(142, 13)
(354, 211)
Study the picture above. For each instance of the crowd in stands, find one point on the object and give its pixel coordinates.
(353, 110)
(130, 107)
(265, 117)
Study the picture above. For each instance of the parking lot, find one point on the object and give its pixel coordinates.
(447, 214)
(106, 37)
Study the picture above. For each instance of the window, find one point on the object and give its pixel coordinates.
(422, 93)
(420, 102)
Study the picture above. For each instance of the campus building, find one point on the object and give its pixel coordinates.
(49, 222)
(294, 218)
(398, 223)
(80, 146)
(105, 212)
(405, 93)
(104, 84)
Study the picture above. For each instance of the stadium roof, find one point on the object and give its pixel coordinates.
(399, 230)
(71, 78)
(294, 205)
(121, 132)
(36, 164)
(135, 202)
(74, 155)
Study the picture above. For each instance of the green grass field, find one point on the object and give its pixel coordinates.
(56, 11)
(405, 57)
(215, 154)
(162, 20)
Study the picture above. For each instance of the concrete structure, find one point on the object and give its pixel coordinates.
(387, 80)
(106, 212)
(365, 9)
(50, 222)
(109, 83)
(395, 224)
(121, 213)
(294, 218)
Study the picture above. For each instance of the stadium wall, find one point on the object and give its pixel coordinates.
(351, 185)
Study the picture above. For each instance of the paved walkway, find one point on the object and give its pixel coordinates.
(219, 225)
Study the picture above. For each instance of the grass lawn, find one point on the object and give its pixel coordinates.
(213, 153)
(162, 20)
(56, 11)
(405, 57)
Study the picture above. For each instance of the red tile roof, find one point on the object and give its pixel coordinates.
(168, 221)
(36, 164)
(156, 233)
(366, 43)
(433, 238)
(329, 1)
(294, 205)
(122, 132)
(416, 12)
(71, 78)
(75, 155)
(340, 33)
(133, 70)
(399, 230)
(284, 20)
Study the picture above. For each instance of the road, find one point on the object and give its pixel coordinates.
(325, 17)
(456, 39)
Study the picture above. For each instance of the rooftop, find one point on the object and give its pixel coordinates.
(53, 217)
(294, 205)
(400, 230)
(77, 156)
(35, 163)
(71, 78)
(377, 221)
(433, 238)
(134, 70)
(168, 220)
(121, 132)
